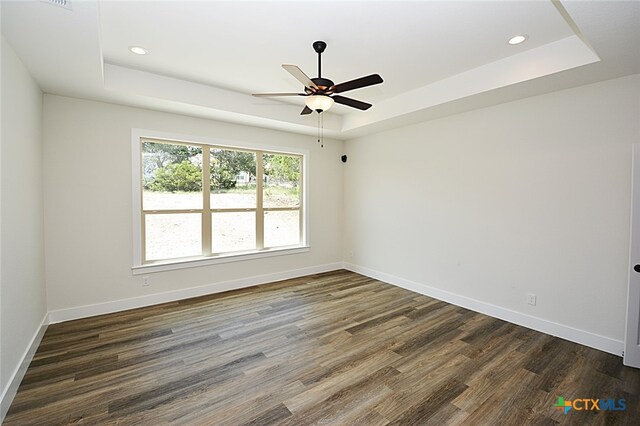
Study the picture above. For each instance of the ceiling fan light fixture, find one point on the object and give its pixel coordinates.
(319, 103)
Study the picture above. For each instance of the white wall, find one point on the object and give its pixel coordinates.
(22, 282)
(88, 223)
(531, 196)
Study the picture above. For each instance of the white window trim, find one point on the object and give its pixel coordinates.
(136, 174)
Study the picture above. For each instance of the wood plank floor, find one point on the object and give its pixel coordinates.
(334, 348)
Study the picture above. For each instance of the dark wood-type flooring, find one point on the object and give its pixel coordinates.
(335, 348)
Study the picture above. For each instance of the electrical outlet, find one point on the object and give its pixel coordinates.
(531, 299)
(145, 281)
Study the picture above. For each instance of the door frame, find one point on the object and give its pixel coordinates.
(632, 329)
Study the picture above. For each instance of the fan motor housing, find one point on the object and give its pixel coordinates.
(322, 83)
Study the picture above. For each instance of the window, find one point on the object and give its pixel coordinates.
(204, 201)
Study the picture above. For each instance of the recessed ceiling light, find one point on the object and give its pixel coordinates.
(517, 39)
(138, 50)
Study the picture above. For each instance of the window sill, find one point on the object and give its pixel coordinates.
(224, 258)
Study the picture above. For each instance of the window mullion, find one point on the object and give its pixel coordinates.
(206, 201)
(143, 232)
(259, 196)
(143, 217)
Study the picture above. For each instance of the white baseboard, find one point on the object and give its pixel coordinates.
(9, 392)
(566, 332)
(154, 299)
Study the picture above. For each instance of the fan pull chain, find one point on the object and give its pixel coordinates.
(321, 129)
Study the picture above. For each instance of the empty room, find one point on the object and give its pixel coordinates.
(320, 212)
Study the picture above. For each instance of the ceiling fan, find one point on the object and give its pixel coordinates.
(320, 93)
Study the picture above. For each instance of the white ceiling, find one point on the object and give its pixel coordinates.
(207, 57)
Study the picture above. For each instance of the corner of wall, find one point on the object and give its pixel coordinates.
(22, 282)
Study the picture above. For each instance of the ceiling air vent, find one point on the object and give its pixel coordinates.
(61, 3)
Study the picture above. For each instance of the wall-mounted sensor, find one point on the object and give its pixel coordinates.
(344, 158)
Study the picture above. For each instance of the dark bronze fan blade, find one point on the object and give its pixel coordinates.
(358, 83)
(351, 102)
(260, 95)
(306, 111)
(300, 76)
